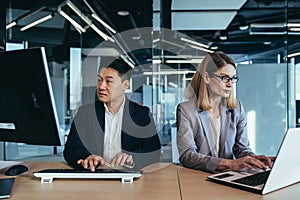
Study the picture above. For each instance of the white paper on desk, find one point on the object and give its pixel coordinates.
(4, 164)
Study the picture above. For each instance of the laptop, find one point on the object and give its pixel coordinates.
(285, 170)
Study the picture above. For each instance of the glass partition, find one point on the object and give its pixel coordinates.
(166, 56)
(268, 78)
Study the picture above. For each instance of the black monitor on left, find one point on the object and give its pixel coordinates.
(27, 109)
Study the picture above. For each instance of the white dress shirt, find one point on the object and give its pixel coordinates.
(112, 135)
(216, 129)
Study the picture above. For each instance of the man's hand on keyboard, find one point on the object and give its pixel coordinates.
(119, 161)
(91, 162)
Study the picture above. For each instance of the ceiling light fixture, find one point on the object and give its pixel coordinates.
(178, 61)
(127, 61)
(88, 21)
(37, 22)
(200, 48)
(293, 24)
(295, 29)
(96, 17)
(137, 37)
(293, 54)
(241, 21)
(10, 25)
(79, 13)
(72, 21)
(169, 72)
(173, 84)
(123, 13)
(184, 61)
(268, 29)
(194, 42)
(156, 40)
(103, 35)
(268, 25)
(223, 37)
(156, 61)
(24, 16)
(214, 47)
(267, 43)
(243, 27)
(172, 43)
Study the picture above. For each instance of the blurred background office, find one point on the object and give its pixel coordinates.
(163, 40)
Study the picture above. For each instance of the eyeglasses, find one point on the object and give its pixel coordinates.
(226, 79)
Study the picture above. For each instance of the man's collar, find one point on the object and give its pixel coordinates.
(120, 108)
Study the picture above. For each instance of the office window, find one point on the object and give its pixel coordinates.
(14, 46)
(263, 91)
(75, 78)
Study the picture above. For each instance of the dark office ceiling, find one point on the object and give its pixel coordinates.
(132, 36)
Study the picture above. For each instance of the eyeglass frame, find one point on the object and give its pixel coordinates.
(234, 79)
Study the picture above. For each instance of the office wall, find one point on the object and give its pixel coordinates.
(89, 79)
(263, 89)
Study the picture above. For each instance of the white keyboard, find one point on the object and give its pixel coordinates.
(126, 176)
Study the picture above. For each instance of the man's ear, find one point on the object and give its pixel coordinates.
(126, 84)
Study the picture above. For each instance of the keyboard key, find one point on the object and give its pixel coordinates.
(255, 179)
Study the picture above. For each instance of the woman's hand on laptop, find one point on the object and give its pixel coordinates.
(244, 162)
(266, 160)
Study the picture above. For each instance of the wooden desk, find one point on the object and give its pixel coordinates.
(193, 185)
(159, 184)
(162, 181)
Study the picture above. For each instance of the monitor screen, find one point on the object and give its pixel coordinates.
(27, 108)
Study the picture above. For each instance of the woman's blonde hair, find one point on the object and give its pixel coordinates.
(197, 89)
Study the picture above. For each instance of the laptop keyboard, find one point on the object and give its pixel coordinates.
(255, 179)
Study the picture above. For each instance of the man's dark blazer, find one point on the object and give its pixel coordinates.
(138, 137)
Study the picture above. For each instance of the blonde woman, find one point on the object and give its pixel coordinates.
(211, 126)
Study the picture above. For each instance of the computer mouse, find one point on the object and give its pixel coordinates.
(16, 170)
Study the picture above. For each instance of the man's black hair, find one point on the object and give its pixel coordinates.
(119, 65)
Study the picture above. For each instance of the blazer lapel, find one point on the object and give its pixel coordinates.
(127, 123)
(128, 110)
(205, 121)
(100, 112)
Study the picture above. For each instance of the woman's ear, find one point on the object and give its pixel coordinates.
(206, 78)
